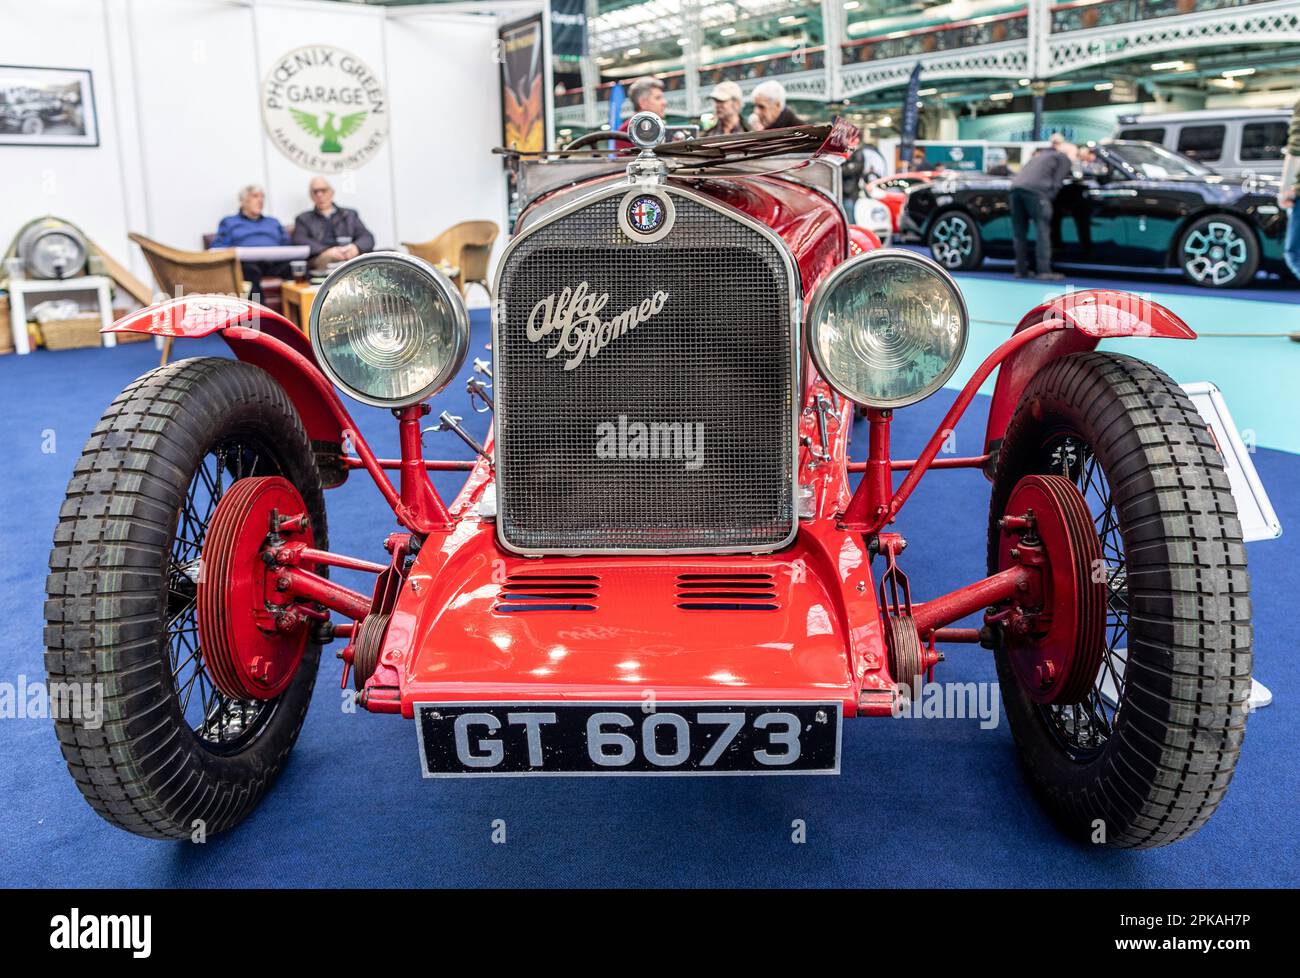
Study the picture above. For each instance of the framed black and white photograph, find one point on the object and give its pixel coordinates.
(47, 107)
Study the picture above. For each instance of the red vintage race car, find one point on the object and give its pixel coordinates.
(892, 191)
(659, 562)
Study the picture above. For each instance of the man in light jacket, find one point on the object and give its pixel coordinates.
(1286, 196)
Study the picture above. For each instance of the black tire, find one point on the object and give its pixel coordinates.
(1152, 771)
(1218, 251)
(954, 241)
(118, 603)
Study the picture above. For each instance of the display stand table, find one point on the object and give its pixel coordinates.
(297, 298)
(20, 289)
(269, 253)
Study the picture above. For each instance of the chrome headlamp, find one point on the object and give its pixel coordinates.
(389, 329)
(887, 328)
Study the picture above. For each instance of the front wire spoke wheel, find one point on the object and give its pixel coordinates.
(1084, 728)
(221, 723)
(178, 750)
(1139, 752)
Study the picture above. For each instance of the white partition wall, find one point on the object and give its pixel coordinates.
(443, 165)
(177, 88)
(283, 26)
(194, 80)
(85, 183)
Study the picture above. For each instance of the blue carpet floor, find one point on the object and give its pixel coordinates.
(920, 803)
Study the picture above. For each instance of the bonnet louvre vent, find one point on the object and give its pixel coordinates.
(523, 593)
(726, 592)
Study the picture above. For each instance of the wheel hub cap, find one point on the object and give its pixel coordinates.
(1214, 253)
(251, 635)
(951, 242)
(1055, 637)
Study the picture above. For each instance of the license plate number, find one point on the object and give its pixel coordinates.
(602, 739)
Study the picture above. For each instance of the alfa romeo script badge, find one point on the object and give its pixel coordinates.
(574, 318)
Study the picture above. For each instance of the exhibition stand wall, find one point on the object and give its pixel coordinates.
(182, 91)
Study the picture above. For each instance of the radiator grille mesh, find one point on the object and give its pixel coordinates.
(708, 380)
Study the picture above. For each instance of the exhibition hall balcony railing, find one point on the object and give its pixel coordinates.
(743, 70)
(1087, 35)
(1082, 15)
(769, 66)
(970, 34)
(1078, 34)
(973, 33)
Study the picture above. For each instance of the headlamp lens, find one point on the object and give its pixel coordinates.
(888, 328)
(389, 329)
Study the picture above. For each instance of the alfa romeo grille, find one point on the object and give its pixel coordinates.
(676, 434)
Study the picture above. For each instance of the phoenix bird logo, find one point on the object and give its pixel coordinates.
(329, 132)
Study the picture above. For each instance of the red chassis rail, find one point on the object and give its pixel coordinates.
(450, 637)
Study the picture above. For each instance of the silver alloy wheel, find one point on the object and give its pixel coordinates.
(1214, 253)
(951, 241)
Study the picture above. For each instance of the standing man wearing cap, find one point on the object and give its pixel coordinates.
(728, 100)
(647, 95)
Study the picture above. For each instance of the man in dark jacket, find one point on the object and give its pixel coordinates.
(1032, 191)
(770, 107)
(646, 95)
(332, 233)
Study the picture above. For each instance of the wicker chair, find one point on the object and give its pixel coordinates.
(190, 272)
(468, 246)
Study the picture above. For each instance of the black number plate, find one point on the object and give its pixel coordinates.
(484, 739)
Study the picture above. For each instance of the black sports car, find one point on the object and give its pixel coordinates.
(1138, 205)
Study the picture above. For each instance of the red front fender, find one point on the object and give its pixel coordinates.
(1088, 316)
(201, 315)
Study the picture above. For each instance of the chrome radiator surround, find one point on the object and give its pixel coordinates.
(530, 540)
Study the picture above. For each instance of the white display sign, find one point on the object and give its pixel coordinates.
(325, 109)
(1258, 521)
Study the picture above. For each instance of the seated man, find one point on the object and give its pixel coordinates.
(332, 233)
(251, 228)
